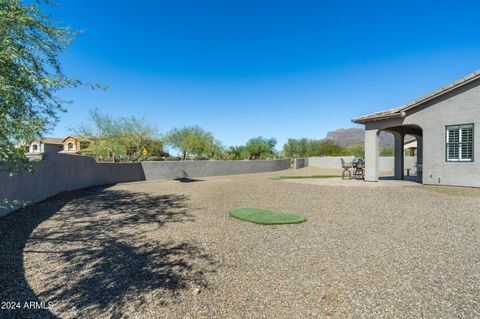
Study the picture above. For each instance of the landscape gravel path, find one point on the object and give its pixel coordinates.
(168, 249)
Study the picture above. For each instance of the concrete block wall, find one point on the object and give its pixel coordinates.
(386, 163)
(178, 169)
(301, 163)
(57, 173)
(328, 162)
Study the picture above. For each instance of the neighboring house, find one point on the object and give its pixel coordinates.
(72, 144)
(410, 147)
(446, 126)
(46, 145)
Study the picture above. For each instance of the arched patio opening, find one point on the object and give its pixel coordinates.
(401, 134)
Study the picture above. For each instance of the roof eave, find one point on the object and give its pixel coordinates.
(401, 111)
(444, 90)
(364, 120)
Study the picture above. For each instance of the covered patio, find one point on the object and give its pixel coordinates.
(443, 124)
(395, 125)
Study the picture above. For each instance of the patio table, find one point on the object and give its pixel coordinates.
(358, 168)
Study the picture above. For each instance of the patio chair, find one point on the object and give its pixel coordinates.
(346, 169)
(358, 165)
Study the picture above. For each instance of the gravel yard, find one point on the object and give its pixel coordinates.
(168, 249)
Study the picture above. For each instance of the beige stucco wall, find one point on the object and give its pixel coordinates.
(75, 142)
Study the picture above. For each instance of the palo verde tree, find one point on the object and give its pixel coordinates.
(122, 138)
(308, 147)
(214, 149)
(260, 148)
(237, 153)
(30, 76)
(194, 141)
(299, 147)
(329, 148)
(357, 150)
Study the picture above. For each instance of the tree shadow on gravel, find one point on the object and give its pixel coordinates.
(188, 180)
(98, 254)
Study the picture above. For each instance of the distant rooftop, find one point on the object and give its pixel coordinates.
(52, 140)
(397, 111)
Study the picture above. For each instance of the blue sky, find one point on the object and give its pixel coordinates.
(262, 68)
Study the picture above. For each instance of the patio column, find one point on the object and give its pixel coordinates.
(371, 155)
(399, 154)
(419, 164)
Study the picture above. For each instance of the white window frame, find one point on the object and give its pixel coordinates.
(460, 143)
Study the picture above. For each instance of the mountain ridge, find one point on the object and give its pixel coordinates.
(349, 136)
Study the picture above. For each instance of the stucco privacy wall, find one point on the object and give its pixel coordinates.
(57, 173)
(62, 172)
(386, 163)
(301, 163)
(178, 169)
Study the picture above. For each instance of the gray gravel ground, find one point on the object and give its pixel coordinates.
(168, 249)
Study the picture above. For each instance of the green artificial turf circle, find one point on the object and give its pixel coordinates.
(266, 216)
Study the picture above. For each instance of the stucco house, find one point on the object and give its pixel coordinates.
(410, 146)
(72, 144)
(445, 124)
(45, 145)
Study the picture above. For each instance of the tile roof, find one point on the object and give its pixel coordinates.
(52, 140)
(397, 112)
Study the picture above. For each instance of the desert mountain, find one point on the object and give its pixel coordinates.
(349, 136)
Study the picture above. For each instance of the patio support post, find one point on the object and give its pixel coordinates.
(399, 154)
(419, 163)
(371, 155)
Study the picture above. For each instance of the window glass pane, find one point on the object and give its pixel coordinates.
(452, 151)
(467, 134)
(453, 135)
(467, 151)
